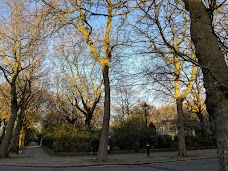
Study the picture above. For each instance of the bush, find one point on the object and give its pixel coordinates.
(70, 145)
(67, 138)
(131, 135)
(205, 142)
(164, 141)
(192, 141)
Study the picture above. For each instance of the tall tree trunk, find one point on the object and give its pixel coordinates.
(22, 138)
(217, 106)
(13, 142)
(16, 134)
(4, 147)
(215, 72)
(102, 155)
(212, 127)
(181, 133)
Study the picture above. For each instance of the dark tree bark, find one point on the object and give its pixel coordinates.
(102, 155)
(16, 134)
(89, 117)
(87, 110)
(4, 147)
(181, 133)
(215, 72)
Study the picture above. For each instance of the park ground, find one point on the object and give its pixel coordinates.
(36, 156)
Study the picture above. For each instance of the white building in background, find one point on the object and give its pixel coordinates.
(169, 127)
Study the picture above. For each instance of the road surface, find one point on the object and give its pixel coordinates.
(190, 165)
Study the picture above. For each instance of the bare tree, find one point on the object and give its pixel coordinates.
(27, 92)
(80, 83)
(81, 15)
(123, 103)
(173, 71)
(20, 35)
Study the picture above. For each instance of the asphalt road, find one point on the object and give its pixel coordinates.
(196, 165)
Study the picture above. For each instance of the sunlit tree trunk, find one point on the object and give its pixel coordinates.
(4, 147)
(21, 142)
(16, 133)
(215, 72)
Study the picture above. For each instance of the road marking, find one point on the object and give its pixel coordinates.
(210, 165)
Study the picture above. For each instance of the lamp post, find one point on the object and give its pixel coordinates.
(145, 107)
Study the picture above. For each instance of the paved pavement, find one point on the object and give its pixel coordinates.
(36, 156)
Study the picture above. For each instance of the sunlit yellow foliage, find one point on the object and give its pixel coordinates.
(68, 138)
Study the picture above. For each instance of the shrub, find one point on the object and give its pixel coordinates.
(192, 141)
(67, 138)
(164, 141)
(131, 135)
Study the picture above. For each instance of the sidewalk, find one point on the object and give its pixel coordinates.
(36, 156)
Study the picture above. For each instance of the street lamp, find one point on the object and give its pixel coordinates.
(145, 107)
